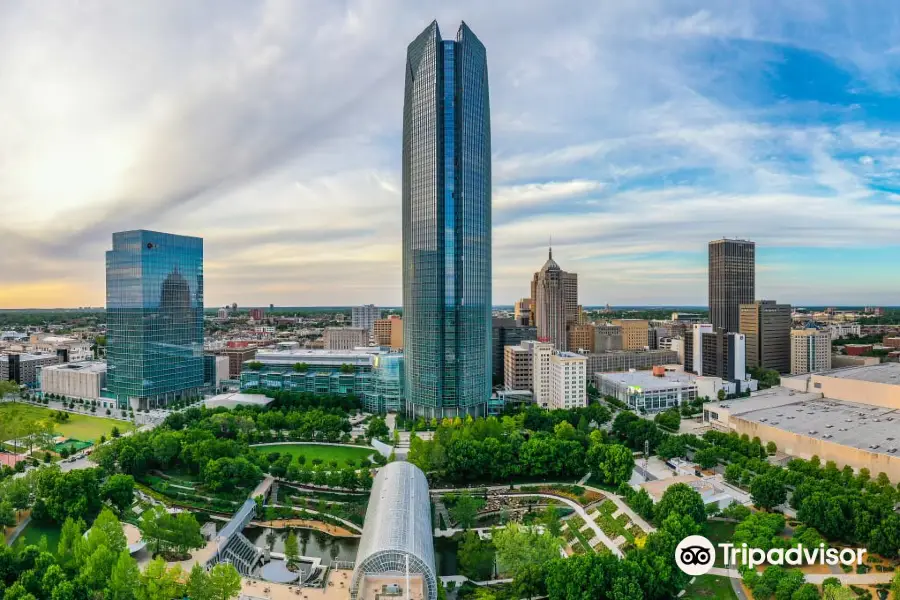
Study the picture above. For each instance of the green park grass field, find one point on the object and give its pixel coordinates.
(709, 586)
(34, 531)
(79, 427)
(321, 451)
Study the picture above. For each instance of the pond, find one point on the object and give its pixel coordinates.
(329, 548)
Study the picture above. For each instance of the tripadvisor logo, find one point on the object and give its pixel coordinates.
(695, 555)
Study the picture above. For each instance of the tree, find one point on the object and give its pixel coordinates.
(611, 463)
(895, 585)
(707, 458)
(733, 473)
(119, 491)
(672, 446)
(518, 547)
(124, 578)
(476, 557)
(721, 395)
(159, 583)
(464, 510)
(7, 514)
(224, 582)
(18, 493)
(670, 419)
(767, 491)
(291, 551)
(771, 448)
(681, 499)
(377, 428)
(70, 542)
(198, 584)
(550, 520)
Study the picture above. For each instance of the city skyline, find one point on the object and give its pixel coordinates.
(632, 136)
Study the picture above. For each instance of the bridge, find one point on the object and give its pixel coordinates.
(231, 545)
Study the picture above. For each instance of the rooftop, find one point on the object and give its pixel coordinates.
(232, 399)
(646, 379)
(888, 373)
(863, 426)
(88, 366)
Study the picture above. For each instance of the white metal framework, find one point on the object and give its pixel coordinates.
(397, 536)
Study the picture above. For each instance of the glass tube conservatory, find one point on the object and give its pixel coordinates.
(396, 552)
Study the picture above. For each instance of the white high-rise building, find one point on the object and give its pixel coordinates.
(541, 352)
(365, 316)
(568, 387)
(810, 351)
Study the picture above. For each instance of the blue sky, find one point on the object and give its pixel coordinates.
(633, 133)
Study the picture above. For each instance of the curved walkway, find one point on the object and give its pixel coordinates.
(818, 578)
(579, 511)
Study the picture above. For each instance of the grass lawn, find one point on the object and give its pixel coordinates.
(80, 427)
(718, 532)
(320, 451)
(34, 531)
(710, 586)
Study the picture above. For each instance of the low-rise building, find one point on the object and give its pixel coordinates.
(580, 338)
(345, 338)
(648, 391)
(858, 349)
(388, 332)
(23, 368)
(623, 360)
(69, 349)
(804, 424)
(842, 330)
(607, 338)
(517, 368)
(506, 332)
(810, 351)
(891, 342)
(74, 379)
(238, 353)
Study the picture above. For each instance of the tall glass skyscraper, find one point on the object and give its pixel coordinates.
(447, 225)
(154, 311)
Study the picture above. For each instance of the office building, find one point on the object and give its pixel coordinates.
(608, 338)
(257, 314)
(154, 310)
(222, 314)
(365, 316)
(238, 353)
(810, 351)
(732, 281)
(517, 368)
(693, 347)
(345, 338)
(385, 393)
(506, 332)
(635, 333)
(446, 181)
(723, 355)
(580, 338)
(568, 387)
(396, 551)
(74, 380)
(767, 327)
(555, 294)
(624, 360)
(69, 349)
(24, 367)
(648, 391)
(541, 352)
(522, 312)
(842, 330)
(388, 332)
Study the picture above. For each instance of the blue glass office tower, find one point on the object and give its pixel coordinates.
(154, 311)
(446, 226)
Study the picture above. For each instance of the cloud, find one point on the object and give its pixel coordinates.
(631, 132)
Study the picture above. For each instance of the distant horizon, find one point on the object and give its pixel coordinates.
(673, 307)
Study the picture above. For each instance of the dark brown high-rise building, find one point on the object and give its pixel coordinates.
(767, 326)
(732, 281)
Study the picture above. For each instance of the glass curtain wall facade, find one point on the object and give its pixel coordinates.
(154, 306)
(446, 226)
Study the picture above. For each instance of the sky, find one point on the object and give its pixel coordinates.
(633, 133)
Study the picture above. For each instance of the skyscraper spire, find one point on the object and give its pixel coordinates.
(550, 247)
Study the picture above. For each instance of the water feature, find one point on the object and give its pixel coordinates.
(329, 548)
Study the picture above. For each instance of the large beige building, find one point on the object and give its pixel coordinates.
(523, 312)
(568, 387)
(767, 327)
(70, 349)
(635, 333)
(810, 351)
(75, 380)
(345, 338)
(607, 338)
(388, 332)
(580, 338)
(862, 433)
(517, 373)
